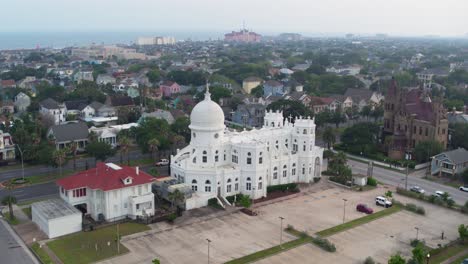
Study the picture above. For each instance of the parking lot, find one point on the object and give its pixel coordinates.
(237, 234)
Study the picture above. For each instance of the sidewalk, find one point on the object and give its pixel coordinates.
(8, 251)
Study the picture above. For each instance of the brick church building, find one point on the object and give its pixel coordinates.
(410, 117)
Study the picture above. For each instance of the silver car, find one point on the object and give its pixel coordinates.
(417, 189)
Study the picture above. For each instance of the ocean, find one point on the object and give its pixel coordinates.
(25, 40)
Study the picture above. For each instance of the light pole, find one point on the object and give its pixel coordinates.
(22, 163)
(417, 233)
(209, 241)
(281, 231)
(344, 209)
(428, 256)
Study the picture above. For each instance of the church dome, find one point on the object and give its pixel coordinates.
(207, 115)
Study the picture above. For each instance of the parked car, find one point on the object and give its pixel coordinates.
(382, 201)
(465, 261)
(464, 188)
(440, 194)
(364, 208)
(162, 162)
(417, 189)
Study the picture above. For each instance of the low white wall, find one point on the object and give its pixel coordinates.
(65, 225)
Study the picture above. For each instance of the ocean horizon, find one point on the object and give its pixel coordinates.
(32, 40)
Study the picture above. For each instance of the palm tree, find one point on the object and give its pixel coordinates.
(329, 136)
(124, 143)
(73, 149)
(9, 200)
(175, 197)
(59, 156)
(153, 146)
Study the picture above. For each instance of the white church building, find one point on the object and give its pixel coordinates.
(220, 163)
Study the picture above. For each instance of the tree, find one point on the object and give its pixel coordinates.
(465, 176)
(180, 127)
(99, 150)
(396, 259)
(175, 197)
(153, 146)
(156, 261)
(245, 201)
(257, 91)
(418, 254)
(426, 149)
(329, 136)
(459, 138)
(124, 144)
(154, 75)
(366, 111)
(463, 232)
(290, 108)
(361, 138)
(9, 200)
(337, 117)
(60, 156)
(73, 149)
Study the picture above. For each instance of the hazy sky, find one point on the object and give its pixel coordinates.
(397, 17)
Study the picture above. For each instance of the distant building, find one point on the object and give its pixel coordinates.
(290, 36)
(83, 76)
(7, 84)
(103, 79)
(450, 163)
(168, 88)
(143, 41)
(63, 135)
(251, 115)
(50, 108)
(345, 70)
(251, 82)
(22, 101)
(274, 88)
(7, 147)
(160, 114)
(242, 36)
(411, 117)
(320, 104)
(109, 192)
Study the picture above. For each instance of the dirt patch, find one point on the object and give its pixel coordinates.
(275, 195)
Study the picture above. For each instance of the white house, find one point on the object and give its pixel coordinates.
(106, 134)
(220, 163)
(22, 101)
(50, 107)
(109, 192)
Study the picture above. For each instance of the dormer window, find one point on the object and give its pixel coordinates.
(127, 180)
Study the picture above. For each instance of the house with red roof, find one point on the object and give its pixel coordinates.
(320, 104)
(168, 88)
(109, 192)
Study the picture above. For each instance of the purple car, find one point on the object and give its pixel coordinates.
(364, 208)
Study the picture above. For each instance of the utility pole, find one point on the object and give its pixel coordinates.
(22, 163)
(406, 177)
(417, 233)
(344, 209)
(281, 231)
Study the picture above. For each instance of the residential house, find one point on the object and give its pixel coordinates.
(274, 88)
(168, 88)
(7, 147)
(105, 134)
(320, 104)
(26, 82)
(104, 79)
(83, 76)
(101, 110)
(7, 107)
(22, 101)
(251, 82)
(7, 84)
(64, 134)
(286, 71)
(51, 108)
(455, 117)
(159, 114)
(75, 107)
(110, 192)
(249, 115)
(301, 97)
(120, 101)
(352, 70)
(450, 163)
(364, 97)
(133, 92)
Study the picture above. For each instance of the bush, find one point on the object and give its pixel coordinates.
(290, 228)
(283, 187)
(324, 244)
(369, 260)
(416, 242)
(245, 201)
(233, 198)
(316, 179)
(415, 209)
(171, 218)
(213, 202)
(371, 182)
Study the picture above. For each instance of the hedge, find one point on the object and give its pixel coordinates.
(283, 188)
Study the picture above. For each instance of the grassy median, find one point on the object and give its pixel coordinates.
(359, 221)
(41, 254)
(93, 246)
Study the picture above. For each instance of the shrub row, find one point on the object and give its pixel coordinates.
(283, 188)
(415, 209)
(449, 203)
(371, 182)
(213, 202)
(324, 244)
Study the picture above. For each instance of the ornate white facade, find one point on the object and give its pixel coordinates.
(219, 162)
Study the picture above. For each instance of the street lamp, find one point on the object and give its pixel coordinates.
(428, 256)
(417, 233)
(281, 232)
(209, 241)
(344, 209)
(22, 163)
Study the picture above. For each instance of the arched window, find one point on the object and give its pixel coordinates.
(285, 171)
(207, 186)
(260, 184)
(194, 160)
(304, 147)
(293, 171)
(194, 185)
(286, 143)
(228, 186)
(249, 158)
(216, 156)
(204, 157)
(275, 173)
(304, 131)
(236, 185)
(248, 185)
(276, 144)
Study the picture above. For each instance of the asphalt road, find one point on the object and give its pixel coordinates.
(12, 250)
(398, 179)
(50, 189)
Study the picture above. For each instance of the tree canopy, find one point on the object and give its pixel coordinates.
(362, 137)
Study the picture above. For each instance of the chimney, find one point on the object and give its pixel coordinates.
(137, 169)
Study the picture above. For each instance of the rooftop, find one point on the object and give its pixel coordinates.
(54, 208)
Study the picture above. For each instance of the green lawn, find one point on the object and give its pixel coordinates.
(41, 254)
(11, 221)
(460, 259)
(43, 178)
(440, 255)
(359, 221)
(81, 247)
(27, 211)
(270, 251)
(139, 162)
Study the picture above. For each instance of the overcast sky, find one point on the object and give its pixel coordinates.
(396, 17)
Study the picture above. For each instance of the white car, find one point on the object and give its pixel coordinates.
(162, 162)
(417, 189)
(382, 201)
(464, 188)
(440, 194)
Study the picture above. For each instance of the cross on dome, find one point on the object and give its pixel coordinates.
(207, 93)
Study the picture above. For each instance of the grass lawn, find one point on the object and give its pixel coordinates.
(359, 221)
(43, 178)
(11, 221)
(139, 162)
(43, 256)
(29, 202)
(439, 255)
(270, 251)
(27, 211)
(81, 247)
(460, 259)
(447, 182)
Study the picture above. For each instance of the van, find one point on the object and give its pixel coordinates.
(382, 201)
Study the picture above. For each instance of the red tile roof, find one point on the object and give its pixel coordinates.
(105, 178)
(7, 83)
